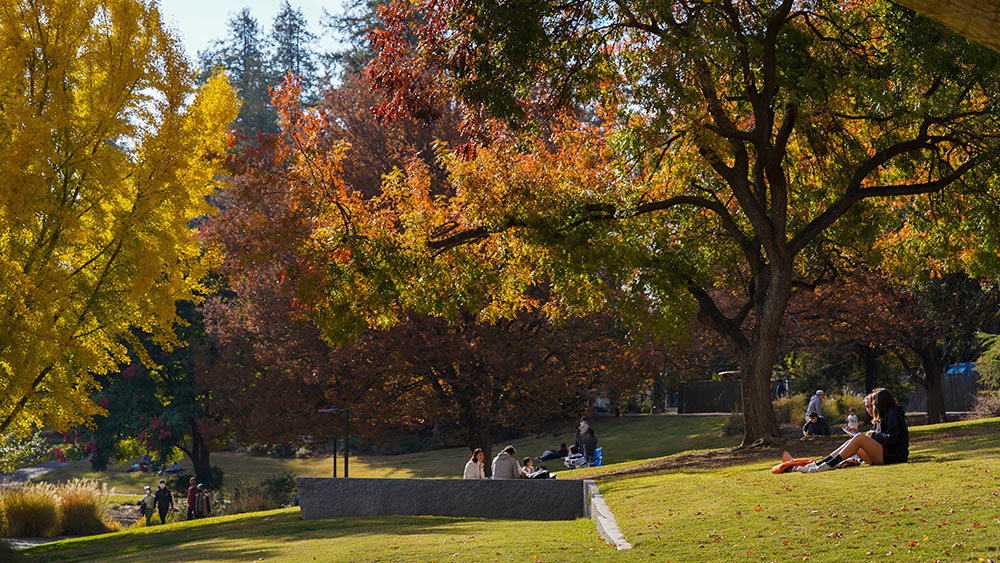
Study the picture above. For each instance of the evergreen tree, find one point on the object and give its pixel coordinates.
(244, 55)
(293, 51)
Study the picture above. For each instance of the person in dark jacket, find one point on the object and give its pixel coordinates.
(887, 443)
(588, 444)
(816, 426)
(163, 501)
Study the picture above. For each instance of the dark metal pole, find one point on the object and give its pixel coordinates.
(335, 458)
(347, 438)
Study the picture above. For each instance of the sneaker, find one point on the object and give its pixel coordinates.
(814, 468)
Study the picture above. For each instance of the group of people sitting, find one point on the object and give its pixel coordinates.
(888, 441)
(816, 424)
(505, 465)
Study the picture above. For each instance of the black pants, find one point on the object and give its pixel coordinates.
(163, 515)
(191, 514)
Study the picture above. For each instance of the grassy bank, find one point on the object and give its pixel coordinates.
(942, 506)
(624, 439)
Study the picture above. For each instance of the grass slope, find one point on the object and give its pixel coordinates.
(624, 439)
(280, 535)
(942, 506)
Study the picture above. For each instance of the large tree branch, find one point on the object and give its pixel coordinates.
(839, 207)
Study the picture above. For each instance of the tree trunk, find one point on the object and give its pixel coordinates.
(199, 455)
(978, 20)
(933, 383)
(870, 358)
(757, 357)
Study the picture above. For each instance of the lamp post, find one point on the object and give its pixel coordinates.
(347, 436)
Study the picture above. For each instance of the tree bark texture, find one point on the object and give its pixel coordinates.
(933, 383)
(978, 20)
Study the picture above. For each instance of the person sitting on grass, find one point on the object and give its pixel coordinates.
(815, 426)
(885, 444)
(575, 458)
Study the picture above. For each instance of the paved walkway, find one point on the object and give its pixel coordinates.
(28, 473)
(25, 543)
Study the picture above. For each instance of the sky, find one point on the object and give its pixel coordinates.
(199, 22)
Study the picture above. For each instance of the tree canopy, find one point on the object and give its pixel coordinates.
(107, 153)
(733, 146)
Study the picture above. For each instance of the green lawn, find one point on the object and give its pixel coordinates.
(280, 535)
(942, 506)
(623, 439)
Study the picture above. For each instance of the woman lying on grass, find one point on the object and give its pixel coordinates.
(887, 443)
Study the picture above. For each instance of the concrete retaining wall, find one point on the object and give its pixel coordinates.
(524, 499)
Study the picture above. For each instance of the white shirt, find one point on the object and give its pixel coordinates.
(852, 421)
(474, 470)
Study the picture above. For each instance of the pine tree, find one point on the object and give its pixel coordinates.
(243, 54)
(293, 46)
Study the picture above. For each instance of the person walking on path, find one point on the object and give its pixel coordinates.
(192, 498)
(505, 466)
(474, 468)
(816, 404)
(162, 501)
(885, 444)
(202, 507)
(146, 504)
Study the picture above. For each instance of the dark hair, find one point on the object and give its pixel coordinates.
(574, 450)
(526, 460)
(881, 400)
(164, 481)
(510, 450)
(812, 414)
(475, 454)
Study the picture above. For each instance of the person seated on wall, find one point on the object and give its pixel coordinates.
(815, 426)
(505, 465)
(575, 458)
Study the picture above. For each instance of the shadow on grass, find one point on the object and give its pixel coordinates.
(200, 540)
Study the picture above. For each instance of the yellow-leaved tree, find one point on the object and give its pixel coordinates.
(107, 151)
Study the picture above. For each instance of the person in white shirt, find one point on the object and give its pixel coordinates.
(474, 468)
(852, 420)
(575, 458)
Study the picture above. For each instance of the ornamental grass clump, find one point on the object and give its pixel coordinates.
(30, 511)
(790, 409)
(84, 508)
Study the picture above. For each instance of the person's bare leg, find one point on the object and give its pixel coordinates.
(867, 448)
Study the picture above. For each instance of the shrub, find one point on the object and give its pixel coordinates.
(83, 507)
(986, 405)
(304, 451)
(280, 488)
(258, 450)
(791, 409)
(836, 407)
(249, 499)
(733, 425)
(179, 484)
(30, 511)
